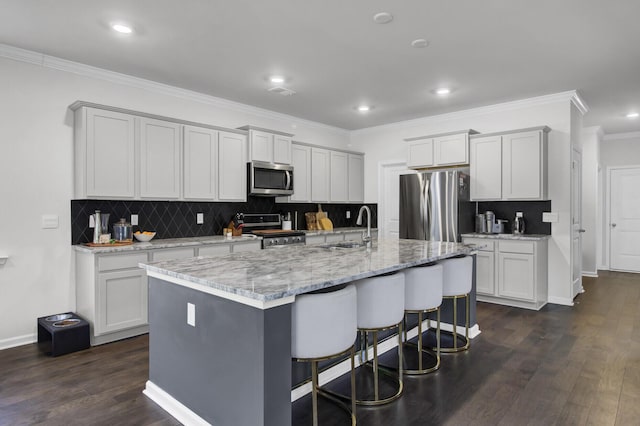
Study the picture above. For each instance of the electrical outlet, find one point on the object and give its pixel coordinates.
(348, 214)
(191, 314)
(550, 217)
(199, 218)
(134, 219)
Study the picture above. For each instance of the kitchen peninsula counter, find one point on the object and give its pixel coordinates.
(220, 327)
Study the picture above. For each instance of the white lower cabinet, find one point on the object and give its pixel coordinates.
(112, 290)
(511, 272)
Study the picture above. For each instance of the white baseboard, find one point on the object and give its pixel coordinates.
(172, 406)
(389, 344)
(560, 301)
(12, 342)
(590, 274)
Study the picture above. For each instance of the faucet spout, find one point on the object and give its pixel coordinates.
(366, 238)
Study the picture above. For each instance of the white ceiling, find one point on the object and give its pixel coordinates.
(336, 57)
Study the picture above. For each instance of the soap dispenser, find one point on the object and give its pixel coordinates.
(518, 224)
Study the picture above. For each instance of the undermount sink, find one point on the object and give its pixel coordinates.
(343, 245)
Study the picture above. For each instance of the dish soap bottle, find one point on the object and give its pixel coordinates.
(518, 224)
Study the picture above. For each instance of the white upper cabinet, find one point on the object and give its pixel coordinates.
(122, 154)
(320, 170)
(420, 153)
(509, 165)
(339, 172)
(301, 162)
(268, 146)
(486, 168)
(261, 146)
(356, 178)
(449, 149)
(232, 176)
(104, 154)
(524, 166)
(281, 149)
(159, 159)
(200, 163)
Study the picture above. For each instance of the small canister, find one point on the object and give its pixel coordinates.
(122, 231)
(481, 224)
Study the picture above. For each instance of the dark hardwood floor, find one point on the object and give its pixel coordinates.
(563, 365)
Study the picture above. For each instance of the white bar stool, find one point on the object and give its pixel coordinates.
(381, 307)
(324, 326)
(423, 294)
(457, 282)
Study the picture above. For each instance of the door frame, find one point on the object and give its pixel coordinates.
(382, 166)
(607, 224)
(576, 175)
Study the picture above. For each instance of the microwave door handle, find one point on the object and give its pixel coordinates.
(288, 184)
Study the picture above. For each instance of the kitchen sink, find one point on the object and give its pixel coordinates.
(343, 245)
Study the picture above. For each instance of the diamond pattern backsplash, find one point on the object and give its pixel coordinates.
(177, 219)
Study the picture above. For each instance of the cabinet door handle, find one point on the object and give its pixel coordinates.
(582, 230)
(613, 225)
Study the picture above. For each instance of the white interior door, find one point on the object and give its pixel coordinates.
(624, 223)
(389, 199)
(576, 222)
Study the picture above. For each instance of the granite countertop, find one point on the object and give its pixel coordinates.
(256, 278)
(522, 237)
(339, 230)
(168, 243)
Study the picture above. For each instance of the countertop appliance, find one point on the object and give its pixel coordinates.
(269, 227)
(269, 180)
(435, 206)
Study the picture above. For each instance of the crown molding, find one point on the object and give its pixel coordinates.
(47, 61)
(577, 100)
(569, 96)
(621, 136)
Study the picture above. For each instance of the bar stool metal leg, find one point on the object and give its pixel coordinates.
(456, 348)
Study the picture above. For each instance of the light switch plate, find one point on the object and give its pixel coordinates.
(49, 221)
(134, 219)
(191, 314)
(549, 217)
(200, 218)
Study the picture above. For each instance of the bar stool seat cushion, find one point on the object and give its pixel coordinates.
(380, 301)
(323, 324)
(457, 276)
(423, 287)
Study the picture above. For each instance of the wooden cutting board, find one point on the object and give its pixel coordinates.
(116, 244)
(326, 224)
(312, 223)
(320, 214)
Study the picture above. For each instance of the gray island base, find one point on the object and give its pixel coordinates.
(233, 365)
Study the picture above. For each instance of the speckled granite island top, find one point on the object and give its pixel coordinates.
(521, 237)
(273, 277)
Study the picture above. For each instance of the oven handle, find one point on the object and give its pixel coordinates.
(288, 174)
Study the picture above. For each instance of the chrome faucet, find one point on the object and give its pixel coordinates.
(366, 238)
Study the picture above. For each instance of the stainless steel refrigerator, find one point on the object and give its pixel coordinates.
(435, 205)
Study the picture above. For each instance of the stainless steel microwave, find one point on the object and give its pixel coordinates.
(266, 179)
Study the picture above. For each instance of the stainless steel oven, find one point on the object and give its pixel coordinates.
(269, 227)
(266, 179)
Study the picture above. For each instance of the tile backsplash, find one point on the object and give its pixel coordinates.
(177, 219)
(532, 212)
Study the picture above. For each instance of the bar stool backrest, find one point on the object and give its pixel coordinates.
(423, 287)
(457, 276)
(380, 301)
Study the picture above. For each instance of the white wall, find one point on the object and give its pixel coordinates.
(385, 143)
(591, 137)
(622, 149)
(36, 171)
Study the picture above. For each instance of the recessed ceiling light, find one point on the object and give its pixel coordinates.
(443, 91)
(382, 18)
(633, 115)
(276, 79)
(419, 43)
(121, 28)
(364, 108)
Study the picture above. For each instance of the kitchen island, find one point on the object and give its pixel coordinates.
(220, 327)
